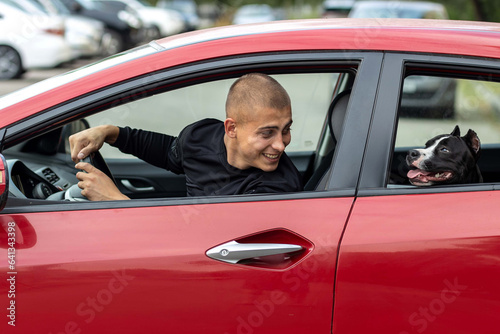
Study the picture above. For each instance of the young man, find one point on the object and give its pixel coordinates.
(242, 155)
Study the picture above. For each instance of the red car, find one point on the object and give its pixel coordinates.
(360, 250)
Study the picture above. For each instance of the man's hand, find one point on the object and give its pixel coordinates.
(96, 185)
(91, 140)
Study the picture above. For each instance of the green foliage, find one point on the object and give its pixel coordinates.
(478, 10)
(460, 9)
(490, 9)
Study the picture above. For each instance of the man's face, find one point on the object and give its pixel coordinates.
(263, 138)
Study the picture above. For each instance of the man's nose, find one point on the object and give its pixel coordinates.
(279, 144)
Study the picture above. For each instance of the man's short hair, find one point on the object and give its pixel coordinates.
(255, 90)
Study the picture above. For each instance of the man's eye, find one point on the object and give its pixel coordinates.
(287, 130)
(444, 150)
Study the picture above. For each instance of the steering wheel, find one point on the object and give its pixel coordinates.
(74, 193)
(96, 160)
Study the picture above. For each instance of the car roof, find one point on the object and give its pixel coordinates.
(477, 39)
(382, 30)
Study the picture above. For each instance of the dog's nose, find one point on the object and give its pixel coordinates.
(413, 154)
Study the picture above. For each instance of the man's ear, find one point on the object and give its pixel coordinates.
(230, 127)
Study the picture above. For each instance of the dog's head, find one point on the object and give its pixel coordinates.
(446, 159)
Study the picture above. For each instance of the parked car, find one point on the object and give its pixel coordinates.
(337, 8)
(122, 31)
(358, 251)
(126, 12)
(29, 41)
(166, 21)
(399, 9)
(187, 8)
(438, 92)
(254, 14)
(82, 33)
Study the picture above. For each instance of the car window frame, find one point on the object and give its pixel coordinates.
(377, 161)
(342, 181)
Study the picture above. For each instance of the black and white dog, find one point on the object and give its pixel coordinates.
(446, 159)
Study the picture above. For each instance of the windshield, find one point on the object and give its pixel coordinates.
(144, 3)
(27, 7)
(87, 4)
(59, 7)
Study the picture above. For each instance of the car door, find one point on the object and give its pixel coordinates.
(238, 264)
(423, 259)
(131, 270)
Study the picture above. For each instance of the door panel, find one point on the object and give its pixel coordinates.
(420, 263)
(144, 270)
(138, 179)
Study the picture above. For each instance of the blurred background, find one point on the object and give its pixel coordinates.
(42, 38)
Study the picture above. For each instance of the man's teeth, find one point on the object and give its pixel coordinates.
(271, 156)
(438, 175)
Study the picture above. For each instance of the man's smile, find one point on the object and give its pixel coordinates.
(271, 156)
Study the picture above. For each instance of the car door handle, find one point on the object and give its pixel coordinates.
(232, 251)
(129, 186)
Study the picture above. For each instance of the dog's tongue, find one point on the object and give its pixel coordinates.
(413, 173)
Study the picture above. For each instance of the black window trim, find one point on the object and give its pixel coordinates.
(377, 161)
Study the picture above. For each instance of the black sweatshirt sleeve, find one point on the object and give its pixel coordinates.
(158, 149)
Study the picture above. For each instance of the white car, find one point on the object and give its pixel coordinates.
(166, 21)
(187, 8)
(30, 41)
(254, 14)
(84, 34)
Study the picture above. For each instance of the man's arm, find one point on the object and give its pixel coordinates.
(152, 147)
(91, 140)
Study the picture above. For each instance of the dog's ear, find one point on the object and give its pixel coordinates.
(473, 142)
(456, 131)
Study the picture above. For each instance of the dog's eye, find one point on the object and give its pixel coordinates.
(444, 150)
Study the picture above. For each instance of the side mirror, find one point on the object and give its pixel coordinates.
(68, 130)
(4, 181)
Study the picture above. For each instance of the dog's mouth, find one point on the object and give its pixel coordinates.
(421, 177)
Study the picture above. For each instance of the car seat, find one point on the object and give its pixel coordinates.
(336, 115)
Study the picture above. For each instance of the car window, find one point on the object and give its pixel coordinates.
(45, 161)
(171, 111)
(434, 105)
